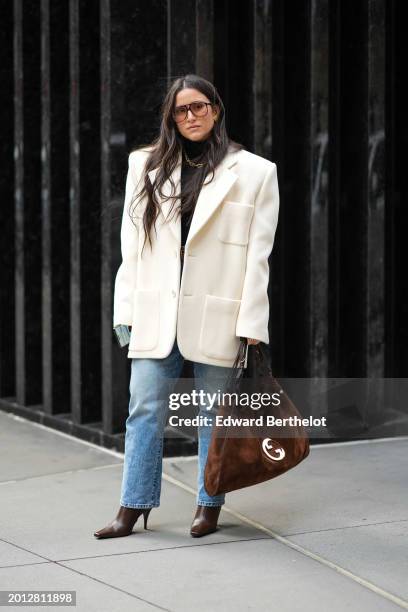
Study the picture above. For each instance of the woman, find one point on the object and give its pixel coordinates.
(194, 286)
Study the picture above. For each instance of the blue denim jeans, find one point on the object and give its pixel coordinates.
(148, 409)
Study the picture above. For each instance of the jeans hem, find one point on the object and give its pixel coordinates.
(130, 505)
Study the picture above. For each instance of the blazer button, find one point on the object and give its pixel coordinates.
(173, 293)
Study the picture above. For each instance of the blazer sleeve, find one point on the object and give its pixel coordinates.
(125, 281)
(253, 315)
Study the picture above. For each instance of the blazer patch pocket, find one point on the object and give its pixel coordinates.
(235, 221)
(217, 333)
(146, 320)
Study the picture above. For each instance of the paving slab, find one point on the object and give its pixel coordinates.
(91, 594)
(11, 555)
(378, 553)
(234, 577)
(28, 449)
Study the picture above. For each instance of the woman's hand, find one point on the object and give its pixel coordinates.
(252, 341)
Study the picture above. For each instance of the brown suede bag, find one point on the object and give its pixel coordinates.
(241, 456)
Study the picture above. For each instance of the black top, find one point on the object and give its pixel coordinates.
(193, 150)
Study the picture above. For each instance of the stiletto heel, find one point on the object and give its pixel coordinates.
(146, 516)
(124, 522)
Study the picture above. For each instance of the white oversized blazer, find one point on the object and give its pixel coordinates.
(223, 292)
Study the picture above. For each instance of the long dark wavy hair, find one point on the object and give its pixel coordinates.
(165, 150)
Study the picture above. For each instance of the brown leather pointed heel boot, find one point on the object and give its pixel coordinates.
(123, 524)
(205, 521)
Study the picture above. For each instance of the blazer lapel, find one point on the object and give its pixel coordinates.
(210, 197)
(212, 194)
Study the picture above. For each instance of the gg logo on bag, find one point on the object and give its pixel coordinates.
(268, 444)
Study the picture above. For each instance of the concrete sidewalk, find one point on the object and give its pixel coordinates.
(331, 534)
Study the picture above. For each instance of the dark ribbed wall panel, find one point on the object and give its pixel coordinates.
(55, 208)
(278, 136)
(181, 37)
(7, 253)
(320, 90)
(27, 73)
(397, 190)
(319, 143)
(108, 362)
(234, 66)
(204, 57)
(352, 148)
(75, 213)
(46, 199)
(59, 239)
(89, 210)
(85, 212)
(262, 78)
(296, 181)
(375, 203)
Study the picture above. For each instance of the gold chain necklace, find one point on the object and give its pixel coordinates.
(191, 163)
